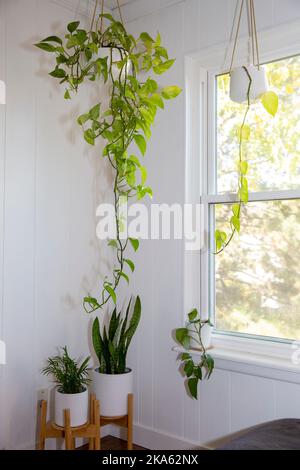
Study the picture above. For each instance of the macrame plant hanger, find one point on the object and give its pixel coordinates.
(101, 17)
(240, 76)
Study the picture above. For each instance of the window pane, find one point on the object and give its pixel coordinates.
(258, 275)
(273, 151)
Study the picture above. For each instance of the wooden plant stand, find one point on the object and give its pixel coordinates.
(123, 421)
(91, 430)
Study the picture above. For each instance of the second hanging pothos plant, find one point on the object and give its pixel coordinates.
(110, 54)
(269, 101)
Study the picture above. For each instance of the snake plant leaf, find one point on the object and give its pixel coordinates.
(270, 102)
(96, 339)
(113, 325)
(134, 322)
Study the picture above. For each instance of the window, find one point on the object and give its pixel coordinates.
(255, 282)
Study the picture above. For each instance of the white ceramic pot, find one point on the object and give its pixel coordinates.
(112, 392)
(206, 333)
(239, 83)
(77, 403)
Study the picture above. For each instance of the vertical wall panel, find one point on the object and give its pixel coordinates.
(2, 199)
(51, 193)
(252, 401)
(287, 400)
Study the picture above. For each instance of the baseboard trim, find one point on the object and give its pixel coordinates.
(154, 439)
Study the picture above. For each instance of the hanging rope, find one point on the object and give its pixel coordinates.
(252, 32)
(250, 19)
(120, 12)
(255, 32)
(94, 14)
(236, 35)
(101, 21)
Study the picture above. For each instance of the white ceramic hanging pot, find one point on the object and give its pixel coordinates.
(77, 403)
(116, 56)
(239, 83)
(112, 391)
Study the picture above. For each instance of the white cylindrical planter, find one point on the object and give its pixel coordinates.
(239, 83)
(112, 391)
(77, 403)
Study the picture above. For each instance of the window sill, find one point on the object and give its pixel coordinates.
(253, 357)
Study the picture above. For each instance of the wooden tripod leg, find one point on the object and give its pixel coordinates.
(43, 424)
(97, 425)
(68, 431)
(129, 421)
(92, 415)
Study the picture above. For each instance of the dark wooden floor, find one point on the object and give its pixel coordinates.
(112, 443)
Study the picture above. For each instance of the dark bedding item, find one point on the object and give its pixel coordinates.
(283, 434)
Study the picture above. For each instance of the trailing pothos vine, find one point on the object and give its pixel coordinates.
(108, 54)
(270, 103)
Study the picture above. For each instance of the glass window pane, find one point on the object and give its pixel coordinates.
(258, 275)
(273, 151)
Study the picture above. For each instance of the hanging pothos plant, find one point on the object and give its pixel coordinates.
(270, 102)
(110, 54)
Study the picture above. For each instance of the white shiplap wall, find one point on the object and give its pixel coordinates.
(50, 184)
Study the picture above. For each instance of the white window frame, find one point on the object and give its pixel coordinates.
(201, 68)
